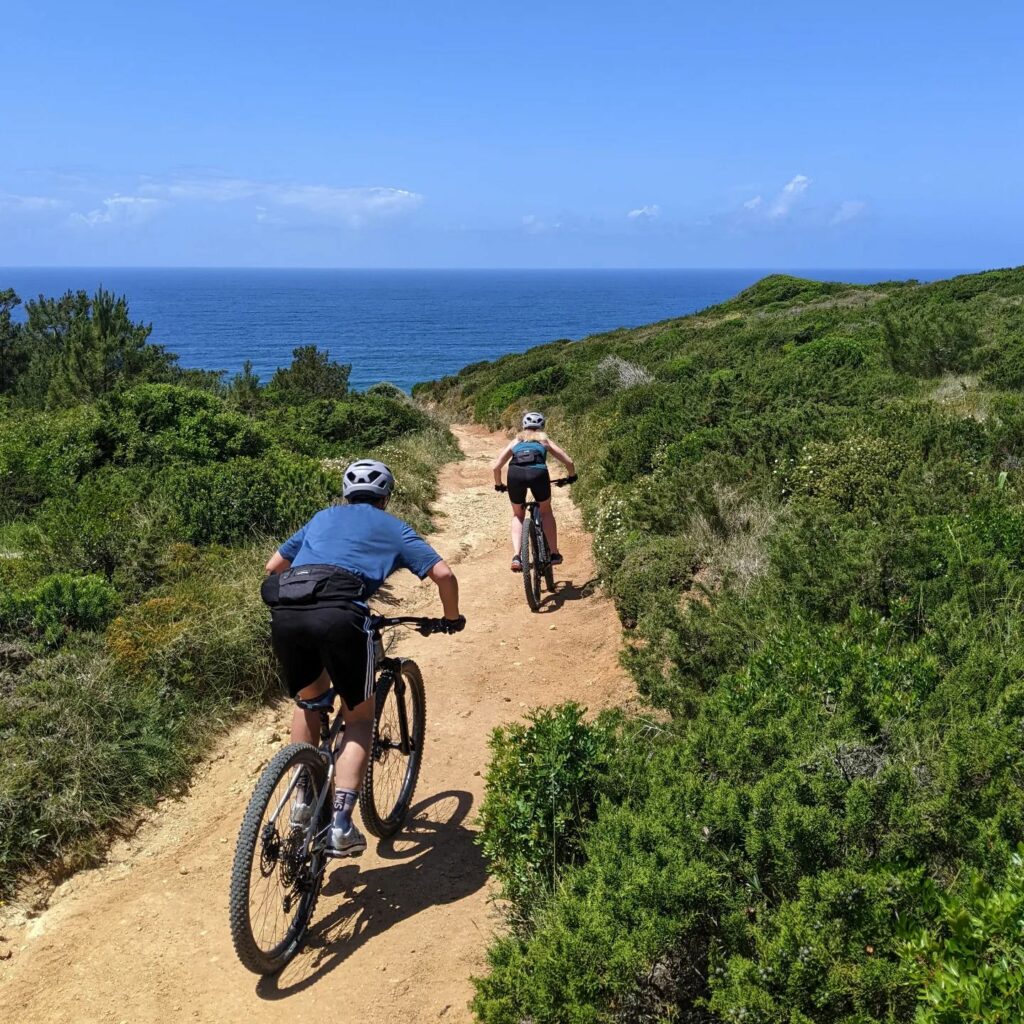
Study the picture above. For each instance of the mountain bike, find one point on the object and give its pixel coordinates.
(534, 555)
(279, 863)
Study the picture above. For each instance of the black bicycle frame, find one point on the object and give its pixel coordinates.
(330, 731)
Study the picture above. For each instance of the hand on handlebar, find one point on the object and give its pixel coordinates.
(448, 626)
(565, 480)
(500, 488)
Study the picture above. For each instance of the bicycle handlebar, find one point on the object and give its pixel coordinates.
(565, 480)
(424, 624)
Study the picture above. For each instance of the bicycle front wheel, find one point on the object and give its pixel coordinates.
(275, 882)
(397, 752)
(530, 557)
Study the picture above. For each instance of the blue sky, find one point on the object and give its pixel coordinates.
(567, 134)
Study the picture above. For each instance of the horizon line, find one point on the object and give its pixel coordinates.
(583, 269)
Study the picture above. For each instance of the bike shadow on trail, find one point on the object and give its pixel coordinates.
(566, 590)
(433, 861)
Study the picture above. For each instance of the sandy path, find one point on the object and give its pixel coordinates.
(398, 933)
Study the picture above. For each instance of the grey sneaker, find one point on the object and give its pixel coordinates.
(345, 844)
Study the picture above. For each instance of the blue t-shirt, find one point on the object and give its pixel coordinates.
(362, 539)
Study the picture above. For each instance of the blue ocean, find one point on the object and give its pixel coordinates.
(401, 326)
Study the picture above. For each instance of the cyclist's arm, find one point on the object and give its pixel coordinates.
(277, 563)
(506, 454)
(562, 457)
(283, 557)
(447, 588)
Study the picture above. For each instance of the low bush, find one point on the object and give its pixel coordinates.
(970, 963)
(274, 495)
(161, 423)
(816, 553)
(57, 605)
(45, 455)
(138, 504)
(543, 786)
(113, 524)
(101, 726)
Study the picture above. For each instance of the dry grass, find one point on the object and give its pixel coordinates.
(960, 394)
(730, 539)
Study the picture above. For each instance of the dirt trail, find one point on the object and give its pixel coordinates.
(398, 933)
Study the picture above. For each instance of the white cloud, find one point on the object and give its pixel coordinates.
(30, 204)
(534, 225)
(216, 190)
(120, 210)
(354, 206)
(645, 212)
(849, 209)
(791, 192)
(777, 209)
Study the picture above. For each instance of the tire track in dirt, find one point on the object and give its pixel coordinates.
(398, 933)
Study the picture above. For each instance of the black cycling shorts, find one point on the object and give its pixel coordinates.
(309, 640)
(533, 478)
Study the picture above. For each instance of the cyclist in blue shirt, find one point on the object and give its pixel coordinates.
(320, 625)
(527, 455)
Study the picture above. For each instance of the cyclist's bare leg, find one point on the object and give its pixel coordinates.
(355, 745)
(518, 515)
(306, 724)
(550, 526)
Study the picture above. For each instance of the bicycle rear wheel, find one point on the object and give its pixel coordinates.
(397, 752)
(274, 882)
(530, 557)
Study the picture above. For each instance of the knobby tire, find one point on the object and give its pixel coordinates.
(530, 556)
(254, 842)
(383, 815)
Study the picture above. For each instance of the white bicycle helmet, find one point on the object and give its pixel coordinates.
(367, 476)
(533, 421)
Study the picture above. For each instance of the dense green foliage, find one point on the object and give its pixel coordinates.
(543, 789)
(970, 960)
(138, 503)
(807, 506)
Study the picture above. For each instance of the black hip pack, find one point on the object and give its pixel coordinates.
(307, 585)
(528, 457)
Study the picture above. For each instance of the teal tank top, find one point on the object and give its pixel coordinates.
(529, 453)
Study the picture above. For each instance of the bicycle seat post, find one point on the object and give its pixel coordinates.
(325, 726)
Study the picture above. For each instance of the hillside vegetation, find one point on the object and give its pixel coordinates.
(807, 504)
(138, 504)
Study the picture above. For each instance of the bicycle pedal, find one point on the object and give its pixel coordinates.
(344, 854)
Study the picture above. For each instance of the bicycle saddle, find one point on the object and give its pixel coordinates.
(325, 702)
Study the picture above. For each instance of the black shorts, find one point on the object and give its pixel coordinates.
(523, 478)
(309, 640)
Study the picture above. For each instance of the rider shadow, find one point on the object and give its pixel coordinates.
(566, 590)
(436, 862)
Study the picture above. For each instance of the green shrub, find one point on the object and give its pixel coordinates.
(116, 727)
(58, 604)
(854, 475)
(543, 784)
(43, 455)
(112, 524)
(839, 664)
(650, 573)
(161, 423)
(312, 375)
(274, 496)
(779, 288)
(970, 963)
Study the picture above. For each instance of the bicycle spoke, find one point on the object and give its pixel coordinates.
(391, 775)
(275, 879)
